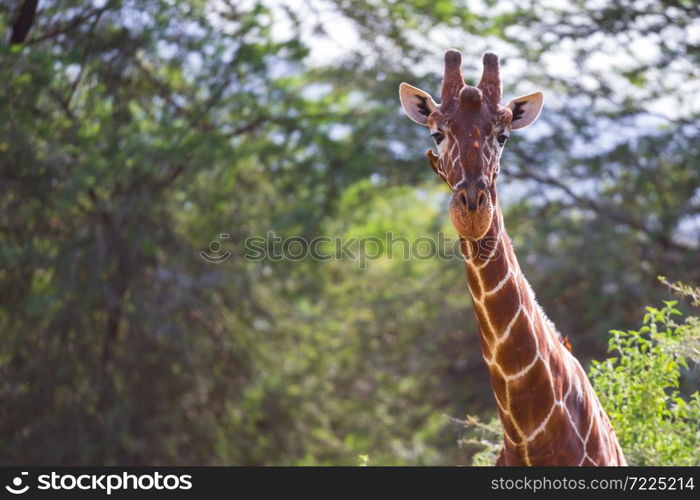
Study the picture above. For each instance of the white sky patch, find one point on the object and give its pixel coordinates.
(688, 232)
(339, 36)
(316, 90)
(339, 131)
(398, 148)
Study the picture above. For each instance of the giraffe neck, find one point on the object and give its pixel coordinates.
(546, 404)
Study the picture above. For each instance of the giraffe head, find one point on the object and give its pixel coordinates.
(470, 128)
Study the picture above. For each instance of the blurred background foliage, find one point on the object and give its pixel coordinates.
(134, 133)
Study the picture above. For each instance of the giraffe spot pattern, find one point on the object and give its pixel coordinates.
(594, 446)
(485, 347)
(530, 397)
(500, 391)
(509, 428)
(493, 274)
(488, 334)
(502, 306)
(557, 443)
(474, 285)
(520, 348)
(560, 379)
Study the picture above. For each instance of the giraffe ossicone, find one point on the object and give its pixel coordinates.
(549, 411)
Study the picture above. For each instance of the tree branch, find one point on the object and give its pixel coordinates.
(83, 60)
(24, 21)
(603, 210)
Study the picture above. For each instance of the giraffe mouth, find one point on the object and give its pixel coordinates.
(471, 221)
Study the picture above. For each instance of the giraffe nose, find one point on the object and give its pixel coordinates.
(472, 199)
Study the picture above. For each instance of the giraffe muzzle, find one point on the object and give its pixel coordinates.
(471, 211)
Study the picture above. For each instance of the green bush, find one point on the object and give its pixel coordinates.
(487, 437)
(639, 388)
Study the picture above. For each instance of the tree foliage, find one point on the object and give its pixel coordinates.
(136, 132)
(640, 389)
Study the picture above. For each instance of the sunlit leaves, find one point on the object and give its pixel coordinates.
(640, 389)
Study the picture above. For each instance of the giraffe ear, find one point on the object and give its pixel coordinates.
(525, 110)
(416, 103)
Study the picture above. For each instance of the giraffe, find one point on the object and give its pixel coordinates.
(546, 404)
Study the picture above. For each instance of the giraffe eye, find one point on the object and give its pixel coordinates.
(502, 139)
(438, 136)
